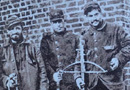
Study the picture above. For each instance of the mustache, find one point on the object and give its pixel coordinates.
(95, 20)
(16, 34)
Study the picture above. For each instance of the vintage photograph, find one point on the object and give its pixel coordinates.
(64, 44)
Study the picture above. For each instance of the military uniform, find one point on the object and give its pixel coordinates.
(22, 60)
(58, 51)
(101, 45)
(26, 62)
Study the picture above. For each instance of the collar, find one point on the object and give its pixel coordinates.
(8, 42)
(60, 33)
(101, 27)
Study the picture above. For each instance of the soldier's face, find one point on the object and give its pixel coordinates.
(58, 25)
(94, 17)
(15, 32)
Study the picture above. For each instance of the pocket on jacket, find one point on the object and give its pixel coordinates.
(109, 47)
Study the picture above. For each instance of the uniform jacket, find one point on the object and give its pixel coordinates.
(24, 60)
(101, 45)
(58, 51)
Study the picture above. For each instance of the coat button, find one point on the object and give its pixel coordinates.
(95, 49)
(56, 42)
(95, 40)
(57, 49)
(58, 56)
(95, 56)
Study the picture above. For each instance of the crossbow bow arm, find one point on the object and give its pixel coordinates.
(78, 62)
(85, 62)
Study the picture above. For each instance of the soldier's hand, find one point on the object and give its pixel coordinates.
(57, 76)
(114, 63)
(11, 80)
(10, 84)
(80, 83)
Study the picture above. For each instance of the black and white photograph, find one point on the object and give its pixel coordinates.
(64, 44)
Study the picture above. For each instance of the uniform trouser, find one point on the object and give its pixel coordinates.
(1, 88)
(101, 86)
(63, 86)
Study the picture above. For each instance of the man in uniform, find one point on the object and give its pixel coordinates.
(23, 65)
(107, 45)
(59, 50)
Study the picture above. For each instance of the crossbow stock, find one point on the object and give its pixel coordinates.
(82, 62)
(82, 72)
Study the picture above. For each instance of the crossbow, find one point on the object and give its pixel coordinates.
(82, 62)
(82, 72)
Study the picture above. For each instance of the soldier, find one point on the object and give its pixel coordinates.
(22, 63)
(59, 50)
(107, 45)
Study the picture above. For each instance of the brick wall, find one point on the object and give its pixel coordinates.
(126, 25)
(36, 19)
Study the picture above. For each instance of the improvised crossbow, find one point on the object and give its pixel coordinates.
(82, 62)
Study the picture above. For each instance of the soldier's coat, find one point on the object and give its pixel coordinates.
(26, 61)
(101, 45)
(58, 51)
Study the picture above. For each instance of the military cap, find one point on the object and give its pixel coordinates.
(12, 20)
(56, 15)
(90, 6)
